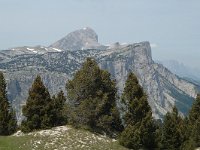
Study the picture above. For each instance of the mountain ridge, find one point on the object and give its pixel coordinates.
(164, 89)
(181, 70)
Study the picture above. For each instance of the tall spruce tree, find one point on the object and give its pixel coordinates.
(193, 127)
(194, 113)
(8, 121)
(172, 131)
(139, 129)
(12, 124)
(92, 95)
(37, 110)
(58, 113)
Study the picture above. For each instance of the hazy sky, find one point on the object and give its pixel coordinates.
(172, 26)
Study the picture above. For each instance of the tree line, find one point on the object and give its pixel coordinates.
(91, 104)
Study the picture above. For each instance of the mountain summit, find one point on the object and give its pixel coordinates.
(81, 39)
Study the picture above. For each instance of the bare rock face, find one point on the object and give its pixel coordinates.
(85, 38)
(163, 88)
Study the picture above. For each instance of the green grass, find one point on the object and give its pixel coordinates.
(60, 138)
(12, 143)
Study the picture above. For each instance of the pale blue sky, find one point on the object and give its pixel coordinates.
(173, 26)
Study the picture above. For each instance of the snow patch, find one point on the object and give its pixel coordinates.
(58, 50)
(31, 49)
(124, 43)
(108, 45)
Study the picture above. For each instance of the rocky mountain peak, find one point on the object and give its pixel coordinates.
(89, 32)
(81, 39)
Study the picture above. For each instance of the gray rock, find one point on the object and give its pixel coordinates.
(85, 38)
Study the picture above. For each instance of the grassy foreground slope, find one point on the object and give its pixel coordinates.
(59, 138)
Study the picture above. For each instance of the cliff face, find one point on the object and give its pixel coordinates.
(163, 88)
(58, 64)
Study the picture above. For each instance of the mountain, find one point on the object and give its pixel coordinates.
(85, 38)
(182, 70)
(164, 89)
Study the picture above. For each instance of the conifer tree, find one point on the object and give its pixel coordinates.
(194, 113)
(58, 114)
(195, 134)
(139, 129)
(92, 95)
(38, 108)
(12, 124)
(193, 127)
(172, 131)
(8, 122)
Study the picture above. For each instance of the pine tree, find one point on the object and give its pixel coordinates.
(58, 113)
(38, 108)
(12, 124)
(193, 127)
(195, 134)
(92, 95)
(194, 113)
(172, 131)
(8, 122)
(139, 129)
